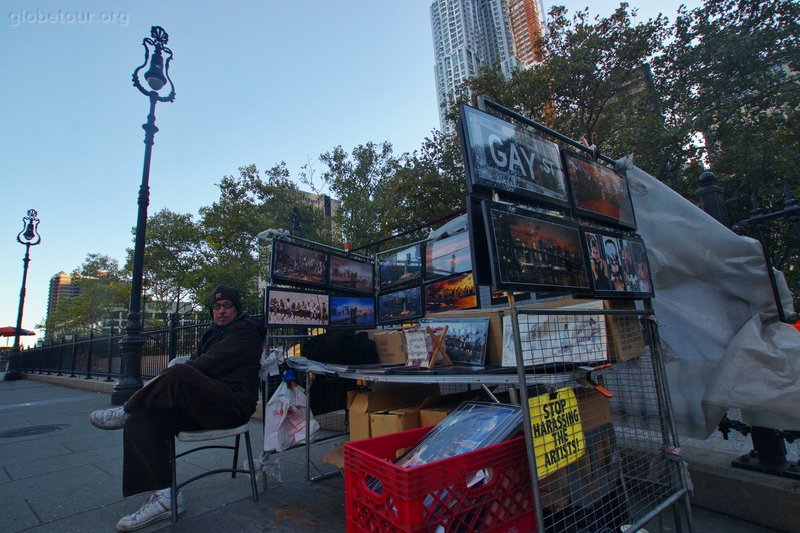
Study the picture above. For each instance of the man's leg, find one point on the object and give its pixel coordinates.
(207, 402)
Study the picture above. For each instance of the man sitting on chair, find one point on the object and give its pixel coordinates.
(217, 388)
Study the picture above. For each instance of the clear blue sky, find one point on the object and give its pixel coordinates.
(257, 81)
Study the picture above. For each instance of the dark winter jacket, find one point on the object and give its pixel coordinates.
(232, 354)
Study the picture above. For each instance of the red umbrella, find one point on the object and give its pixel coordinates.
(10, 331)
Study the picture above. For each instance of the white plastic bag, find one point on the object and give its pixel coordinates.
(285, 418)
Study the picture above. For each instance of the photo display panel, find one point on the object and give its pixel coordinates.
(401, 266)
(401, 305)
(288, 307)
(533, 251)
(617, 264)
(478, 243)
(598, 192)
(448, 256)
(458, 292)
(351, 274)
(297, 265)
(501, 156)
(352, 311)
(466, 338)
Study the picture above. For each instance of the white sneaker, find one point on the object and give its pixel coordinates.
(157, 507)
(112, 418)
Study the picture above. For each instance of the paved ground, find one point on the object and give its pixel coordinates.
(60, 474)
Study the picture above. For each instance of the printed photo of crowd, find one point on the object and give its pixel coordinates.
(297, 308)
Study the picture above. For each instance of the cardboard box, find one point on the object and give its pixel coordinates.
(434, 410)
(360, 404)
(393, 421)
(494, 349)
(390, 345)
(625, 334)
(594, 408)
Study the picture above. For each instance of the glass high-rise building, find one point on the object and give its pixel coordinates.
(470, 34)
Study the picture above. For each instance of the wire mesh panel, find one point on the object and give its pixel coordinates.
(602, 438)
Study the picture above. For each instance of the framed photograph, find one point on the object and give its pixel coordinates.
(352, 311)
(598, 192)
(458, 292)
(558, 341)
(511, 158)
(448, 256)
(351, 274)
(296, 308)
(297, 265)
(466, 338)
(479, 245)
(617, 265)
(531, 251)
(400, 266)
(471, 426)
(400, 306)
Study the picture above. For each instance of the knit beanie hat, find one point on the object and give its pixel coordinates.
(226, 292)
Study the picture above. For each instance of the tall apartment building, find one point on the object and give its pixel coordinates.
(470, 34)
(61, 287)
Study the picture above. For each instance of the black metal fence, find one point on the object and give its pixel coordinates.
(98, 355)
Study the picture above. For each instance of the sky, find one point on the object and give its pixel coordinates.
(257, 82)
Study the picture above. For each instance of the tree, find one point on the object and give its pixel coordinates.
(730, 79)
(102, 295)
(429, 184)
(359, 181)
(174, 253)
(594, 82)
(247, 205)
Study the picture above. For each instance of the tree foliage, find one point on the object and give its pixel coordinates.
(101, 294)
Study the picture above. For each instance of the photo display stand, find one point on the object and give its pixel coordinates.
(316, 288)
(588, 453)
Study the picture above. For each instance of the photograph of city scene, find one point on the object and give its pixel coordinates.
(352, 275)
(452, 293)
(535, 252)
(400, 305)
(400, 267)
(352, 311)
(295, 264)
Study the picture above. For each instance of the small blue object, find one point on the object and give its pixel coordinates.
(289, 375)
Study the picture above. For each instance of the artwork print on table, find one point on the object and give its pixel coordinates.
(501, 156)
(466, 338)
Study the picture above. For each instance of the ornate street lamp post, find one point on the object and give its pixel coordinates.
(29, 236)
(156, 77)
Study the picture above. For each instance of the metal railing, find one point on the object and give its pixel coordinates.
(98, 355)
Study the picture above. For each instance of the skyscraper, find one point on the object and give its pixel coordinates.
(470, 34)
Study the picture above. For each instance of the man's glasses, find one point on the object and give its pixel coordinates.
(217, 307)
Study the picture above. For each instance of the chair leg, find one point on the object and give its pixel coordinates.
(235, 456)
(253, 484)
(174, 485)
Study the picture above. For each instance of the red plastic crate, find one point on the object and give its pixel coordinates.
(425, 497)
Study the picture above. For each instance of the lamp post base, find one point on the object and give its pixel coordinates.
(13, 375)
(123, 391)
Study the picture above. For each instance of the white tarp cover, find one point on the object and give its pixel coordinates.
(725, 347)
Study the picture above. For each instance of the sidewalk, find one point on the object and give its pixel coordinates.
(60, 474)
